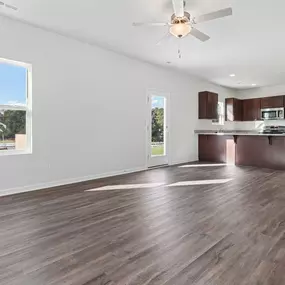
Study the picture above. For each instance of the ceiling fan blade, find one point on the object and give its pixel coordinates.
(164, 38)
(199, 35)
(150, 24)
(214, 15)
(178, 7)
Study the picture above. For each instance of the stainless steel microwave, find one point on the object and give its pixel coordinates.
(272, 114)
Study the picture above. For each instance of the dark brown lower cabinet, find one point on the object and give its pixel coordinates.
(215, 148)
(259, 151)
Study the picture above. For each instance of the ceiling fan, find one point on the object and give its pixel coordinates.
(182, 23)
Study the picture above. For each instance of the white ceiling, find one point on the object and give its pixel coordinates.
(250, 44)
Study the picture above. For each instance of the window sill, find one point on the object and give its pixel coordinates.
(14, 152)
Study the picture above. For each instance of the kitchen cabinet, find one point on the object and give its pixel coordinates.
(272, 102)
(251, 109)
(233, 109)
(249, 150)
(203, 149)
(257, 151)
(208, 105)
(215, 148)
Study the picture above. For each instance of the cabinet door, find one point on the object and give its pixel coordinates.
(272, 102)
(252, 109)
(208, 105)
(203, 148)
(229, 109)
(234, 109)
(257, 109)
(238, 110)
(203, 102)
(211, 148)
(214, 148)
(247, 110)
(212, 110)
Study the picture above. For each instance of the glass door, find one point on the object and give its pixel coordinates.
(158, 131)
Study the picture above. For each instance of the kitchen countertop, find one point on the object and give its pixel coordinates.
(235, 133)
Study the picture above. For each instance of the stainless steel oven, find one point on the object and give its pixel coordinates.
(272, 114)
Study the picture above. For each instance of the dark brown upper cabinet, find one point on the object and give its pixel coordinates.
(272, 102)
(233, 109)
(208, 105)
(252, 109)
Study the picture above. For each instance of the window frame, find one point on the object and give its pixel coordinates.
(27, 108)
(221, 116)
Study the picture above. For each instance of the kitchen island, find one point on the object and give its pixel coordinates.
(246, 148)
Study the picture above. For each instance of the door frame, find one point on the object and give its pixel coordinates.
(150, 93)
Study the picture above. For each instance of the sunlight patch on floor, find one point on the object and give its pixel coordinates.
(155, 185)
(200, 182)
(203, 165)
(125, 187)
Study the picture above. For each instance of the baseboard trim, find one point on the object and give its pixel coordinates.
(42, 186)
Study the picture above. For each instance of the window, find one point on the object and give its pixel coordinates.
(221, 114)
(15, 107)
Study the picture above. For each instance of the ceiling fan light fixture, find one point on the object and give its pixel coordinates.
(180, 30)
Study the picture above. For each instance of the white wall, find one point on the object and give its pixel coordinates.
(261, 92)
(80, 89)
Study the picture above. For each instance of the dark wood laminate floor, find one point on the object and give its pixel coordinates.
(230, 233)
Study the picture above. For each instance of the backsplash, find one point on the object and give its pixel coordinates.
(258, 125)
(255, 125)
(208, 125)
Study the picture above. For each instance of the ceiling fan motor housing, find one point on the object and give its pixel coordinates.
(180, 20)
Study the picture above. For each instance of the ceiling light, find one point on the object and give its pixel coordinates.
(232, 75)
(180, 30)
(253, 84)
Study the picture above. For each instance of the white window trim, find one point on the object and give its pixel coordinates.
(221, 117)
(27, 108)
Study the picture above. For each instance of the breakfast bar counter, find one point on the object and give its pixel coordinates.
(246, 148)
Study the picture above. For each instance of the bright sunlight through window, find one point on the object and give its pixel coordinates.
(221, 114)
(15, 107)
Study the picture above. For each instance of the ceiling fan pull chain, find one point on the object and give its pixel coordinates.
(179, 53)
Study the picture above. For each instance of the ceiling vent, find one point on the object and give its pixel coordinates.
(8, 6)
